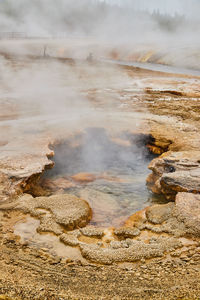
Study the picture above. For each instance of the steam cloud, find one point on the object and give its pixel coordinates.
(103, 26)
(117, 19)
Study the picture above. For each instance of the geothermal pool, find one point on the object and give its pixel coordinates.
(108, 172)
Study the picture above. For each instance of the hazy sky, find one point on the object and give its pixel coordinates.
(44, 17)
(164, 6)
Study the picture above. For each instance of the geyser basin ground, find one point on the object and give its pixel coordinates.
(156, 253)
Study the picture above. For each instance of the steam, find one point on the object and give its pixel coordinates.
(129, 30)
(98, 18)
(58, 97)
(95, 151)
(169, 29)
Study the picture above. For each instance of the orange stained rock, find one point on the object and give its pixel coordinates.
(112, 178)
(151, 178)
(119, 221)
(89, 177)
(146, 56)
(84, 177)
(61, 183)
(156, 188)
(138, 217)
(155, 150)
(153, 182)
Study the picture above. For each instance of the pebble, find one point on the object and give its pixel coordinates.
(185, 259)
(144, 267)
(192, 261)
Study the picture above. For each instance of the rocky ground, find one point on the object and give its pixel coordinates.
(156, 254)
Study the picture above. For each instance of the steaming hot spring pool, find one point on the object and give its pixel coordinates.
(109, 173)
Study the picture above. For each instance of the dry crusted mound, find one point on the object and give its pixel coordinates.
(56, 212)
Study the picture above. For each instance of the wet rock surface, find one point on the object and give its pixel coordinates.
(175, 172)
(21, 168)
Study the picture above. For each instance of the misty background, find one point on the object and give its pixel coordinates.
(127, 19)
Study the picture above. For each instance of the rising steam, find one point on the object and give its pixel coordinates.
(100, 26)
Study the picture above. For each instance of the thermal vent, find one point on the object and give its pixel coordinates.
(109, 172)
